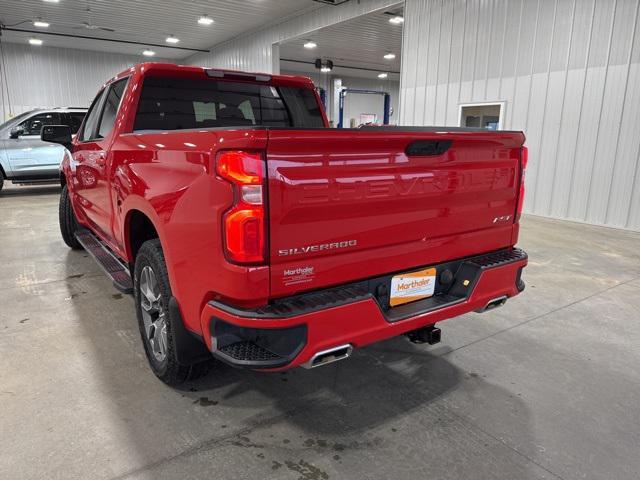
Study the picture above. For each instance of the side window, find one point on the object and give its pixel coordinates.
(75, 120)
(33, 125)
(92, 118)
(111, 104)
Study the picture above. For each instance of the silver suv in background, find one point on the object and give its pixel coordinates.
(24, 157)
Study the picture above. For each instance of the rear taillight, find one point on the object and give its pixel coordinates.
(244, 222)
(524, 158)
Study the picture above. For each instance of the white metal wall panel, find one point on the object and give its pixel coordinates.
(254, 52)
(569, 72)
(53, 77)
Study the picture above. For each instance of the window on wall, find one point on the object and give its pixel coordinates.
(482, 115)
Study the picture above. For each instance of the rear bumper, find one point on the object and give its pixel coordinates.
(290, 331)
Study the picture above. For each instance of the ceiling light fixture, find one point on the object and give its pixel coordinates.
(52, 1)
(148, 53)
(40, 24)
(397, 20)
(389, 56)
(310, 44)
(35, 41)
(324, 66)
(172, 39)
(382, 75)
(205, 20)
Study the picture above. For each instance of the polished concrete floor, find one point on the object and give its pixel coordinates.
(546, 387)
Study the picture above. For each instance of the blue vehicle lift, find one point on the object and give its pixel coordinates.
(323, 96)
(387, 103)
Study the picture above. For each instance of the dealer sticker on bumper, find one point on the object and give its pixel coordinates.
(408, 287)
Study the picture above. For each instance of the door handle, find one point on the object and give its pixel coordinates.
(428, 148)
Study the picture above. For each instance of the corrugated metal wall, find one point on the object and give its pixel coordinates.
(569, 72)
(258, 51)
(52, 77)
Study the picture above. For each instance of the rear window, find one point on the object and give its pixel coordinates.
(176, 103)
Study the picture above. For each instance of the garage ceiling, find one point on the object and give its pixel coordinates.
(360, 43)
(145, 21)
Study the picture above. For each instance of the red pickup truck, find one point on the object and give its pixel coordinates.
(249, 230)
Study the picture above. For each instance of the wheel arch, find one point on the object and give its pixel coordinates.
(139, 228)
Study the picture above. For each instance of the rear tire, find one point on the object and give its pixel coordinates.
(68, 222)
(1, 179)
(152, 293)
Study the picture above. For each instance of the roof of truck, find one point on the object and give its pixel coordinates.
(207, 72)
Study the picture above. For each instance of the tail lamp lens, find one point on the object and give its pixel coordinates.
(243, 224)
(240, 167)
(524, 159)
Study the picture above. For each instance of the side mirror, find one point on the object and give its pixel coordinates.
(16, 132)
(57, 134)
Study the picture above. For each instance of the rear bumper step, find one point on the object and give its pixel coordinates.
(457, 290)
(107, 261)
(255, 347)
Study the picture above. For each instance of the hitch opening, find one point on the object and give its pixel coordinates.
(430, 335)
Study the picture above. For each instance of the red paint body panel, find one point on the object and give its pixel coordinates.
(324, 186)
(338, 186)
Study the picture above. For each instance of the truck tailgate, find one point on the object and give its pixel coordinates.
(350, 204)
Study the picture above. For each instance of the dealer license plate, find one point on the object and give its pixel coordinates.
(409, 287)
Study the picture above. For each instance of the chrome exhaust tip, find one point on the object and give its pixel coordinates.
(495, 303)
(328, 356)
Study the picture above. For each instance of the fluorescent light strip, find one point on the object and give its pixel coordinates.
(205, 20)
